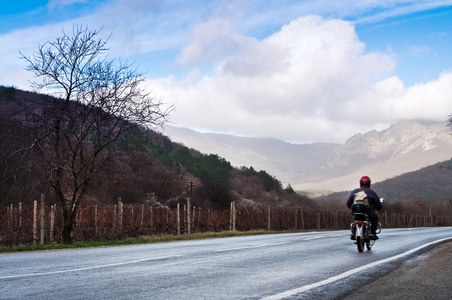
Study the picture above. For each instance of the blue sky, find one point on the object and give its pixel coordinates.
(300, 71)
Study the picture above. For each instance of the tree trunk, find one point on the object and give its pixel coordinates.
(67, 230)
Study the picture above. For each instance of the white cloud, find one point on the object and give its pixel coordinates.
(431, 100)
(419, 51)
(26, 41)
(214, 39)
(62, 3)
(311, 81)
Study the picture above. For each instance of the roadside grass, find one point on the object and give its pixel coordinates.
(139, 240)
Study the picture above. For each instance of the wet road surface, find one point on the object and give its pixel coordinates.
(278, 266)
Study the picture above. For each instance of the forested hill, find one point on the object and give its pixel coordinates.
(429, 183)
(146, 163)
(143, 166)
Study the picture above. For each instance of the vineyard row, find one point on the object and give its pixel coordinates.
(41, 224)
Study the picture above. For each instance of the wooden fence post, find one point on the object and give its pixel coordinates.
(184, 215)
(115, 208)
(167, 217)
(9, 215)
(151, 211)
(209, 218)
(188, 216)
(52, 223)
(20, 214)
(230, 217)
(194, 217)
(302, 219)
(120, 214)
(233, 216)
(142, 217)
(95, 220)
(200, 215)
(269, 217)
(318, 220)
(43, 219)
(35, 222)
(334, 219)
(178, 218)
(104, 209)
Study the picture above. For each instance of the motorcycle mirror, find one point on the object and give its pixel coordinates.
(382, 199)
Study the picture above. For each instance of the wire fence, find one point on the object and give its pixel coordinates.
(41, 224)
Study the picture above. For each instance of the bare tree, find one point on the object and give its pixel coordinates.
(97, 101)
(15, 176)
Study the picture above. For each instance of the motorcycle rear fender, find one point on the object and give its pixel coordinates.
(359, 230)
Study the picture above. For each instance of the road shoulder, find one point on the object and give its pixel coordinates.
(428, 276)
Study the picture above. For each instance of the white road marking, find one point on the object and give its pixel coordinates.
(322, 236)
(250, 247)
(349, 273)
(313, 238)
(90, 268)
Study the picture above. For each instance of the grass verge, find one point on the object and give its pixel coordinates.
(136, 241)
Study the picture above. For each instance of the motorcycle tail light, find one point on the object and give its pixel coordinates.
(360, 223)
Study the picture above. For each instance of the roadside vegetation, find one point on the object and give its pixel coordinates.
(137, 241)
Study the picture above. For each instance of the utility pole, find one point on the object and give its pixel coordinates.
(189, 208)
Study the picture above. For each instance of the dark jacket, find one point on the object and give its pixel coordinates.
(372, 197)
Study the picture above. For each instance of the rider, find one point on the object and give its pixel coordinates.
(374, 203)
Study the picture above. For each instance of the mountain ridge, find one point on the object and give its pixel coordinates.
(404, 147)
(431, 183)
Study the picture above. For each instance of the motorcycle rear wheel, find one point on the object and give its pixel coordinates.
(360, 243)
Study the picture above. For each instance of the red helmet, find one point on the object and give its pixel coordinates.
(365, 180)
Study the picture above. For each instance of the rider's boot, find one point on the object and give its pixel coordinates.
(373, 236)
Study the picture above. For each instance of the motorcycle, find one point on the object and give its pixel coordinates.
(361, 227)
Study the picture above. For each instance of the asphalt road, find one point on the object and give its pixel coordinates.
(280, 266)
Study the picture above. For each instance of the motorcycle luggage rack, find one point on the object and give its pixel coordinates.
(359, 208)
(360, 217)
(359, 212)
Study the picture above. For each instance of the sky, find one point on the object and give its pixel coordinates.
(300, 71)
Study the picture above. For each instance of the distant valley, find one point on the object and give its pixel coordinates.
(403, 147)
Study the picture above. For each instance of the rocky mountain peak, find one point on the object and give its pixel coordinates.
(406, 146)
